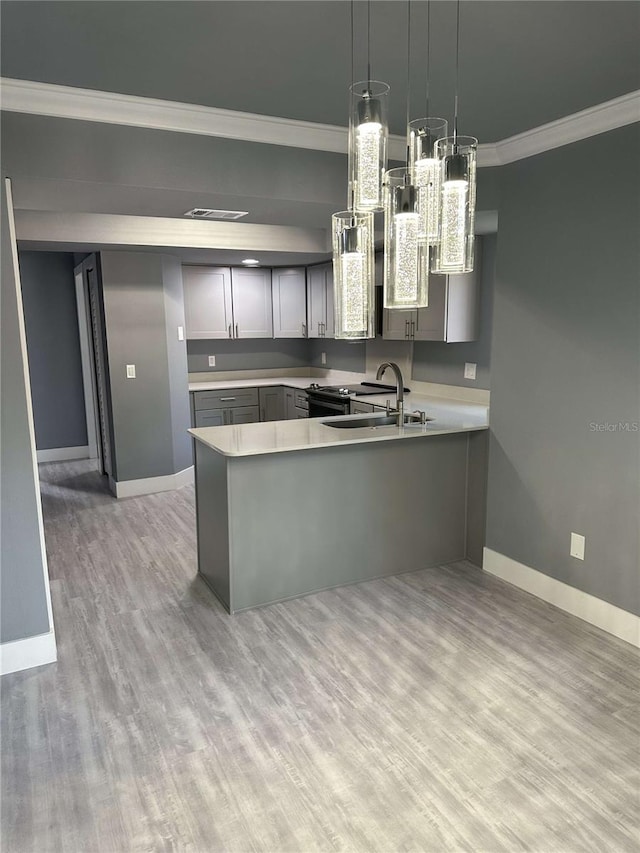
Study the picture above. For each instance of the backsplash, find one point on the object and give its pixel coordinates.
(247, 354)
(340, 355)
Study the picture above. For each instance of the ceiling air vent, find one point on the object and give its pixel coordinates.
(207, 213)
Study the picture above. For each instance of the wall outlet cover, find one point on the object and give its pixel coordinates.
(131, 371)
(212, 361)
(470, 370)
(180, 333)
(577, 546)
(323, 358)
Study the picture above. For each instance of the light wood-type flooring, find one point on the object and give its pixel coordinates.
(440, 710)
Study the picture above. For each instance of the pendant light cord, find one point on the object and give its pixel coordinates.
(455, 103)
(351, 199)
(428, 53)
(368, 40)
(408, 74)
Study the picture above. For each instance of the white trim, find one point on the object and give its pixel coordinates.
(150, 485)
(600, 118)
(607, 616)
(27, 384)
(63, 454)
(27, 96)
(86, 361)
(27, 653)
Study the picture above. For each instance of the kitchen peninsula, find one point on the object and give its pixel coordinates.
(291, 507)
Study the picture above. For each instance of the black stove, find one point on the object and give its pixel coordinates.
(335, 399)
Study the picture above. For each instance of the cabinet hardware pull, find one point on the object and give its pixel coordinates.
(226, 399)
(304, 330)
(230, 334)
(413, 328)
(237, 331)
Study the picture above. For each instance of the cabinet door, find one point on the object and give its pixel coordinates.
(397, 325)
(207, 302)
(317, 300)
(463, 305)
(289, 303)
(431, 322)
(252, 312)
(329, 328)
(243, 415)
(272, 404)
(210, 417)
(289, 403)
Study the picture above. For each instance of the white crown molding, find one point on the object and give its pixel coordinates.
(600, 118)
(608, 617)
(26, 96)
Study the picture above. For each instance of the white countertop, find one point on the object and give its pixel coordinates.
(449, 416)
(332, 378)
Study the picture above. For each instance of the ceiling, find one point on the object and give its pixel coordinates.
(522, 64)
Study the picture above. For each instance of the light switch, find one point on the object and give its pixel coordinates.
(577, 546)
(131, 371)
(180, 333)
(212, 361)
(469, 370)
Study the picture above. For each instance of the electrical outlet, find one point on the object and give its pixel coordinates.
(323, 358)
(577, 546)
(180, 333)
(131, 371)
(469, 370)
(212, 361)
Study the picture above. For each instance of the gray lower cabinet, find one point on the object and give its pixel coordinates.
(229, 406)
(272, 403)
(289, 403)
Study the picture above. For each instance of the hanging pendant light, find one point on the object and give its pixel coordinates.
(406, 255)
(353, 274)
(368, 134)
(457, 156)
(353, 230)
(422, 134)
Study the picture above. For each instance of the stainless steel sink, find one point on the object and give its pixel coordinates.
(373, 422)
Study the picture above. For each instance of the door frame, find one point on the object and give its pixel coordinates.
(87, 359)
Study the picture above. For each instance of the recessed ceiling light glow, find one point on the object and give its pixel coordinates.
(251, 262)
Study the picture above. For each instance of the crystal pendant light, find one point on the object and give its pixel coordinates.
(406, 255)
(353, 274)
(368, 133)
(457, 156)
(426, 173)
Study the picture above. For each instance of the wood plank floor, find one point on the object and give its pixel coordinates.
(441, 710)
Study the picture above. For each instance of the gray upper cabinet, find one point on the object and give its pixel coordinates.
(252, 314)
(452, 314)
(207, 302)
(320, 301)
(289, 303)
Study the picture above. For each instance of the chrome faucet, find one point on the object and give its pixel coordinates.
(399, 387)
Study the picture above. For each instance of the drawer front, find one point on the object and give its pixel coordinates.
(226, 399)
(358, 408)
(210, 417)
(301, 413)
(301, 400)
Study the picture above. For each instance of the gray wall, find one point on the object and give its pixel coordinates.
(341, 355)
(176, 362)
(53, 346)
(145, 409)
(434, 361)
(247, 354)
(22, 582)
(566, 362)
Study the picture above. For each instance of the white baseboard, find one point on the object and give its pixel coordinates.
(27, 653)
(614, 620)
(63, 454)
(150, 485)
